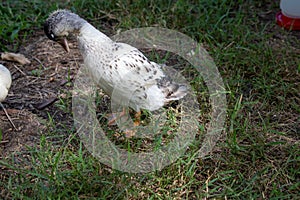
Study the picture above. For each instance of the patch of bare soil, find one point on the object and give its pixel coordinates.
(28, 128)
(35, 87)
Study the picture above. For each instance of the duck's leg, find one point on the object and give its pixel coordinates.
(137, 122)
(137, 118)
(113, 118)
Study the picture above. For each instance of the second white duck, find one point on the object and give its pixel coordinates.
(5, 82)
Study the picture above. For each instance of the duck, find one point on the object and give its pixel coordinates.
(5, 82)
(122, 71)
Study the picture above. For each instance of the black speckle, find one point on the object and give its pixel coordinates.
(155, 72)
(116, 47)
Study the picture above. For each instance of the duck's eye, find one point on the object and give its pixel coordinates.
(52, 36)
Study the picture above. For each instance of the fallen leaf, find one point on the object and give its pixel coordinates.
(16, 57)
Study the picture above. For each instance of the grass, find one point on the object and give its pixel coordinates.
(258, 156)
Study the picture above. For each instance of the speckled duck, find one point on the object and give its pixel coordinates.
(120, 68)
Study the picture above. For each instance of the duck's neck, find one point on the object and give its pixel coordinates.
(88, 31)
(92, 42)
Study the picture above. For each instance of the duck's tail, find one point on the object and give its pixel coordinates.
(172, 91)
(176, 92)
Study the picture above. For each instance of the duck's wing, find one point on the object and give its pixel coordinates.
(130, 63)
(135, 78)
(142, 80)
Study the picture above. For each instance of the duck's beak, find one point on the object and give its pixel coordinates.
(64, 43)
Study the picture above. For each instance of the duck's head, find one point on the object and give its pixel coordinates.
(60, 24)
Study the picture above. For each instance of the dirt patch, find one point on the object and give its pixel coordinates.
(34, 89)
(28, 128)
